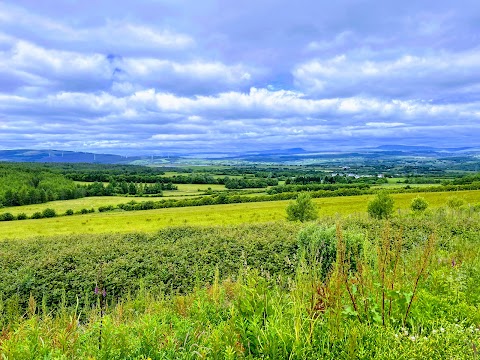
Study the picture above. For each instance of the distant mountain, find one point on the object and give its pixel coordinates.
(292, 155)
(409, 148)
(62, 156)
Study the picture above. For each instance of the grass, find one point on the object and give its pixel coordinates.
(152, 220)
(193, 189)
(61, 206)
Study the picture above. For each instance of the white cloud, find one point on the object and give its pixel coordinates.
(114, 35)
(415, 76)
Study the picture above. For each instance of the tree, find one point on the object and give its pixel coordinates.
(419, 204)
(303, 209)
(381, 207)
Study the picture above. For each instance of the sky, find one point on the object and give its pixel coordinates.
(152, 76)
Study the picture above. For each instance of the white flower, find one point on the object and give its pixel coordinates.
(412, 338)
(442, 329)
(434, 331)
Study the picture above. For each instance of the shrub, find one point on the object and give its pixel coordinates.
(106, 208)
(36, 215)
(7, 217)
(49, 213)
(419, 204)
(22, 216)
(318, 247)
(381, 207)
(303, 209)
(69, 212)
(86, 211)
(454, 202)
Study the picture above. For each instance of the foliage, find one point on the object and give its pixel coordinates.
(419, 204)
(303, 209)
(381, 207)
(454, 202)
(49, 213)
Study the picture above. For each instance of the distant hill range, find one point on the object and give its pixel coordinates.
(271, 156)
(62, 156)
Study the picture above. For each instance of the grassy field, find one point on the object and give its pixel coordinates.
(192, 189)
(61, 206)
(152, 220)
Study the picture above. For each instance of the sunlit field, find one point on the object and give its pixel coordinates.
(152, 220)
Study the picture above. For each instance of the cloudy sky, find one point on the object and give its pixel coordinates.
(151, 76)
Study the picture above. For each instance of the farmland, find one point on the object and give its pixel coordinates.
(152, 220)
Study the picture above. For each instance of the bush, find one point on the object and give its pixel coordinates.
(69, 212)
(419, 204)
(303, 209)
(318, 247)
(106, 208)
(454, 202)
(381, 207)
(22, 216)
(49, 213)
(37, 215)
(87, 211)
(7, 217)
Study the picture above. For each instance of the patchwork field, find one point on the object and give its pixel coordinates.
(152, 220)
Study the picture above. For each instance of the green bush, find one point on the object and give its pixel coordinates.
(318, 246)
(37, 215)
(303, 209)
(381, 207)
(454, 202)
(106, 208)
(22, 216)
(69, 212)
(7, 217)
(87, 211)
(419, 204)
(49, 213)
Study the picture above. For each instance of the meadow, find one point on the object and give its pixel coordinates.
(152, 220)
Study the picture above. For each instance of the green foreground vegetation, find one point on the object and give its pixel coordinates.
(355, 288)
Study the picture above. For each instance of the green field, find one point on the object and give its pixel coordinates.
(193, 189)
(152, 220)
(61, 206)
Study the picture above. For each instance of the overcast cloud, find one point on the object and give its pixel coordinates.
(176, 75)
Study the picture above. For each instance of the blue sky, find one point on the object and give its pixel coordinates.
(173, 75)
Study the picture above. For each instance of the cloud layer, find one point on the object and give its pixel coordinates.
(172, 77)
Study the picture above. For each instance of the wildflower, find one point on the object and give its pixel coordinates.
(454, 263)
(434, 331)
(96, 290)
(412, 338)
(442, 329)
(104, 292)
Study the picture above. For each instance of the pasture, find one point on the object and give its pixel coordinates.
(152, 220)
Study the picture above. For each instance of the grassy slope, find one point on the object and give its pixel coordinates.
(152, 220)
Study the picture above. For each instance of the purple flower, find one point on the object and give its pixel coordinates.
(454, 263)
(104, 292)
(96, 290)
